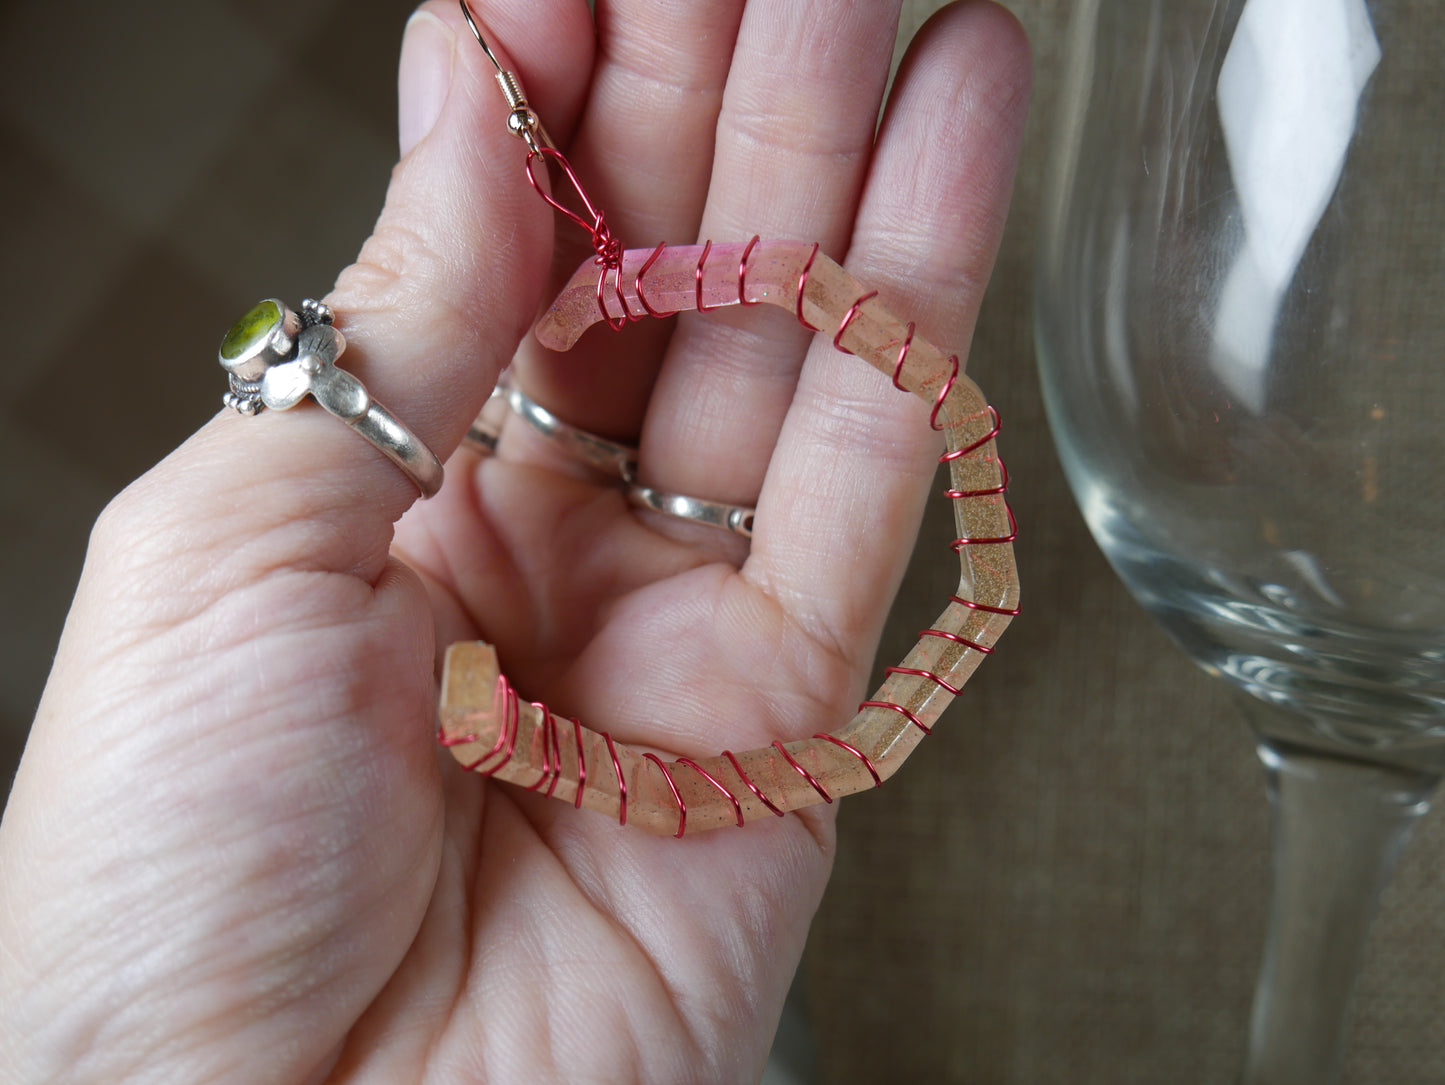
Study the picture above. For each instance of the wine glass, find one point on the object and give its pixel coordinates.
(1241, 329)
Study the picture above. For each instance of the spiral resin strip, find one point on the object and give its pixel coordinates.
(489, 728)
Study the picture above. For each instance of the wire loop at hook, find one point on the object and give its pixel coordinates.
(524, 123)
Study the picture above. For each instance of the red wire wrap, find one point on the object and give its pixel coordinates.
(676, 794)
(859, 754)
(1012, 612)
(943, 392)
(993, 491)
(804, 773)
(802, 282)
(507, 735)
(697, 279)
(546, 747)
(615, 323)
(743, 273)
(608, 248)
(1002, 487)
(898, 708)
(959, 453)
(848, 319)
(955, 690)
(621, 783)
(641, 293)
(581, 761)
(957, 639)
(1013, 533)
(556, 753)
(550, 769)
(710, 778)
(743, 776)
(902, 357)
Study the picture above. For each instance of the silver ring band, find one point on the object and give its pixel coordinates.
(607, 456)
(394, 440)
(735, 518)
(276, 358)
(486, 429)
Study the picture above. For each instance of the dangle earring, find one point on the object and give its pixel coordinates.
(492, 731)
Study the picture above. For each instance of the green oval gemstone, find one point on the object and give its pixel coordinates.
(251, 329)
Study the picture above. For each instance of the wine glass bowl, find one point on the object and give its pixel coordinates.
(1240, 317)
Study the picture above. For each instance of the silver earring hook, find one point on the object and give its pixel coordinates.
(523, 121)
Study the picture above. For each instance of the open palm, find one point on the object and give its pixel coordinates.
(233, 852)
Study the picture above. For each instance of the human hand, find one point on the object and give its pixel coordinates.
(232, 851)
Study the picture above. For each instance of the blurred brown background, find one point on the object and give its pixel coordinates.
(1066, 884)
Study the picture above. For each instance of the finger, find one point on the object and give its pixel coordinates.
(431, 310)
(644, 152)
(855, 456)
(444, 288)
(794, 141)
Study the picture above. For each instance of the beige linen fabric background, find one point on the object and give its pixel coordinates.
(1065, 884)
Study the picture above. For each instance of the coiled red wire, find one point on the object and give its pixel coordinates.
(803, 282)
(551, 752)
(984, 649)
(953, 494)
(902, 711)
(743, 271)
(697, 280)
(848, 319)
(581, 761)
(859, 754)
(927, 674)
(676, 794)
(743, 776)
(506, 734)
(710, 778)
(608, 248)
(621, 782)
(641, 291)
(804, 773)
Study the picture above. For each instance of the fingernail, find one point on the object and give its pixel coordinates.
(423, 77)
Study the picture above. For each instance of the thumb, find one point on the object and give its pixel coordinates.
(450, 280)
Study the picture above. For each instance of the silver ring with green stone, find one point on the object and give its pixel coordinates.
(275, 358)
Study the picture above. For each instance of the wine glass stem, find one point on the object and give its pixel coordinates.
(1338, 828)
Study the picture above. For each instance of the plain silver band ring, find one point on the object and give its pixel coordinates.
(607, 456)
(486, 429)
(401, 446)
(735, 518)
